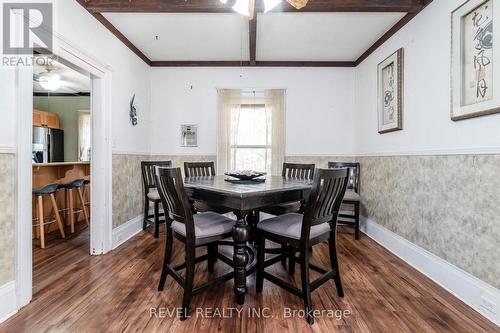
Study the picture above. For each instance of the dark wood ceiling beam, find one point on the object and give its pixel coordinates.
(401, 23)
(118, 34)
(159, 6)
(237, 63)
(95, 7)
(252, 30)
(215, 6)
(406, 6)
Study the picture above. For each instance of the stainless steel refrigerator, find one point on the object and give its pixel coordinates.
(48, 145)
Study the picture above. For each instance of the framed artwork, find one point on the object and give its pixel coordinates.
(475, 65)
(189, 135)
(390, 93)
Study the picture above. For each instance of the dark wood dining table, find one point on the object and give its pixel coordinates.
(243, 199)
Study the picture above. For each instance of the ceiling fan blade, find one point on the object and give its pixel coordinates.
(298, 4)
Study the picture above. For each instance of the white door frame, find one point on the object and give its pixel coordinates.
(101, 167)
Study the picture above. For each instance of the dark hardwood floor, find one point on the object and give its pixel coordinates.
(75, 292)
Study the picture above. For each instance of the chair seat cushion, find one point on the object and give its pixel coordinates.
(74, 184)
(206, 225)
(47, 189)
(153, 194)
(290, 225)
(291, 207)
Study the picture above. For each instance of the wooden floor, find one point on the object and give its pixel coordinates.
(74, 292)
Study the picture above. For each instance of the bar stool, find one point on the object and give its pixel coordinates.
(70, 205)
(47, 190)
(86, 184)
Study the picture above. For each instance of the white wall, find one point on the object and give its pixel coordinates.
(7, 108)
(427, 124)
(319, 110)
(130, 74)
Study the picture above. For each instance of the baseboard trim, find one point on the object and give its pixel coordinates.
(463, 285)
(8, 305)
(124, 232)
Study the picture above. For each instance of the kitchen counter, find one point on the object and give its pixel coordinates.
(59, 164)
(60, 173)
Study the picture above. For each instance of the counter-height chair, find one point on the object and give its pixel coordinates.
(151, 195)
(317, 224)
(291, 170)
(49, 191)
(86, 192)
(203, 169)
(194, 230)
(349, 211)
(71, 209)
(297, 171)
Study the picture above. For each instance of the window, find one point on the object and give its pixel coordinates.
(251, 131)
(84, 136)
(250, 138)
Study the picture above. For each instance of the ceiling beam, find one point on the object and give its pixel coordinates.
(237, 63)
(319, 6)
(395, 28)
(215, 6)
(118, 34)
(95, 7)
(252, 31)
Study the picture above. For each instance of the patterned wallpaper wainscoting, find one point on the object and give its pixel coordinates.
(448, 205)
(7, 203)
(128, 194)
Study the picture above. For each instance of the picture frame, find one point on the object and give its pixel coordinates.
(475, 64)
(390, 93)
(189, 135)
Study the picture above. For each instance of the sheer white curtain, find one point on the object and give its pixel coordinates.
(84, 135)
(275, 101)
(228, 100)
(251, 130)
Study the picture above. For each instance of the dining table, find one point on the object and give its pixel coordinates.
(243, 198)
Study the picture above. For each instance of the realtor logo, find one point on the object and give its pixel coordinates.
(26, 26)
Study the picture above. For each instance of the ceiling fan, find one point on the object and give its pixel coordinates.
(247, 7)
(48, 80)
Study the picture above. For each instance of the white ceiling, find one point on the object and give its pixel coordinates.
(72, 81)
(320, 36)
(280, 36)
(185, 36)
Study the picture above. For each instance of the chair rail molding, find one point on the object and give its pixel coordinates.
(493, 150)
(8, 149)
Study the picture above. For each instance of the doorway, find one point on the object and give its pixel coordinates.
(61, 176)
(98, 239)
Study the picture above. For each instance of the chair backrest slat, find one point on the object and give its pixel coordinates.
(299, 171)
(354, 173)
(199, 169)
(327, 193)
(148, 172)
(173, 197)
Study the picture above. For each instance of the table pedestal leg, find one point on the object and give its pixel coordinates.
(241, 234)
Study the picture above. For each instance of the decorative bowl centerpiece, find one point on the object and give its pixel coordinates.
(246, 175)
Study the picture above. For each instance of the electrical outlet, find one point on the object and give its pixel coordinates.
(488, 305)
